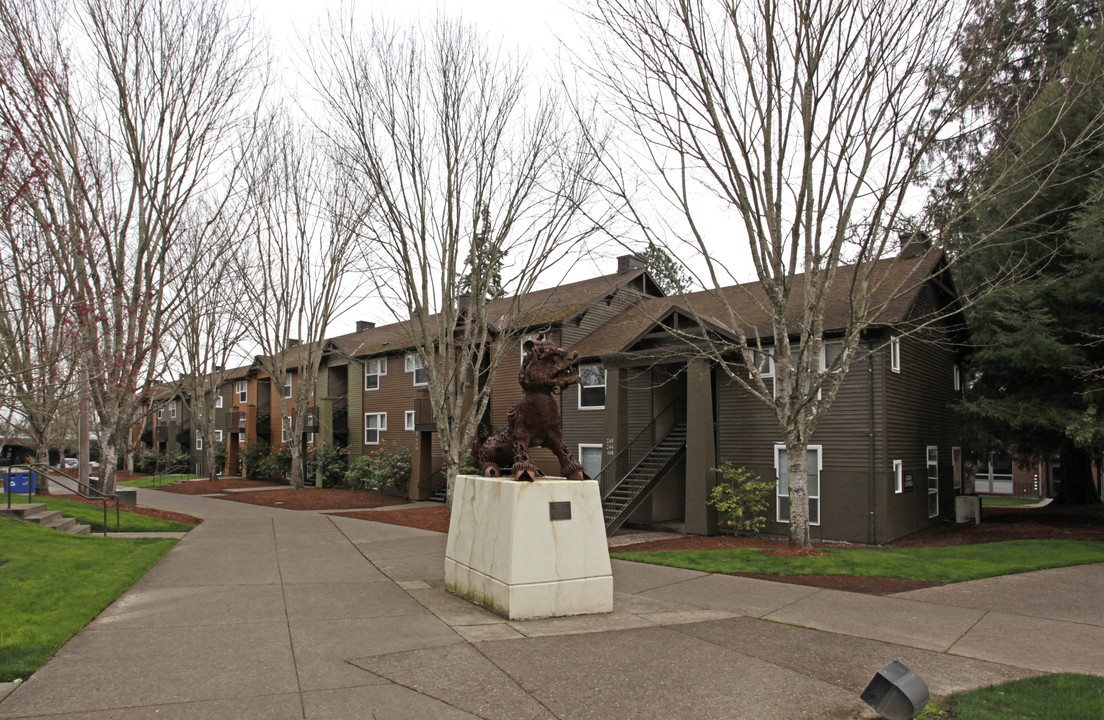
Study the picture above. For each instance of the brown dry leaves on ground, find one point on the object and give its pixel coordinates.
(209, 487)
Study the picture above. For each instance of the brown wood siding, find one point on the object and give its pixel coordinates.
(394, 396)
(747, 432)
(918, 412)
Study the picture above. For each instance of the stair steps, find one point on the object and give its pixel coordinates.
(638, 482)
(38, 514)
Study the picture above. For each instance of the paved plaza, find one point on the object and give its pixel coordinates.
(276, 614)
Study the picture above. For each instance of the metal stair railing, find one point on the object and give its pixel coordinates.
(79, 488)
(635, 489)
(639, 447)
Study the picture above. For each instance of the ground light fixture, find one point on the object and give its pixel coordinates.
(897, 693)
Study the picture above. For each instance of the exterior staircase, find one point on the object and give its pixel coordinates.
(37, 513)
(630, 490)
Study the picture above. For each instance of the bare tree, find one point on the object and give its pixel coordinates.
(37, 359)
(126, 111)
(470, 184)
(804, 126)
(205, 339)
(292, 275)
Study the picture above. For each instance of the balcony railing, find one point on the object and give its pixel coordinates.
(424, 420)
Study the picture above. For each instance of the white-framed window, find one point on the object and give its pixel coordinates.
(374, 424)
(829, 351)
(172, 410)
(285, 429)
(408, 420)
(895, 354)
(161, 414)
(782, 472)
(521, 346)
(956, 463)
(898, 477)
(590, 457)
(310, 438)
(199, 441)
(288, 385)
(765, 363)
(415, 365)
(218, 435)
(241, 387)
(592, 387)
(373, 369)
(933, 480)
(956, 381)
(218, 402)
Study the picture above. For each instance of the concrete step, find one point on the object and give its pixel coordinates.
(48, 518)
(79, 529)
(21, 510)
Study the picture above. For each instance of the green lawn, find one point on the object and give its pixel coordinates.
(52, 584)
(157, 480)
(1049, 697)
(1008, 501)
(938, 565)
(93, 515)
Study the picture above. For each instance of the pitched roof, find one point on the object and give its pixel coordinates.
(896, 282)
(550, 306)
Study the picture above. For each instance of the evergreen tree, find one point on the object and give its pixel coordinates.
(1037, 319)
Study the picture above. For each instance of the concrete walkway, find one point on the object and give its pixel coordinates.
(273, 614)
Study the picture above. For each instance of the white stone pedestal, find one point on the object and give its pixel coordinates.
(529, 549)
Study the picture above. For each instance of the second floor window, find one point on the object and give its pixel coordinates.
(287, 385)
(415, 365)
(592, 387)
(408, 418)
(218, 401)
(373, 369)
(241, 387)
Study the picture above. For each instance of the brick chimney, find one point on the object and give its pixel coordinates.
(363, 325)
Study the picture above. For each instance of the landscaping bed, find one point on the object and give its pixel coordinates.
(208, 487)
(316, 498)
(423, 518)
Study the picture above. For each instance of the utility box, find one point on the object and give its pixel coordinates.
(967, 509)
(21, 482)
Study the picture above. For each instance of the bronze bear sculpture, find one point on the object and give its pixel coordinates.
(535, 420)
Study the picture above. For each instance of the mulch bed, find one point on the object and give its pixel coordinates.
(316, 498)
(424, 518)
(208, 487)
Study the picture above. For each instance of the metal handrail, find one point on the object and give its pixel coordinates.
(82, 489)
(8, 483)
(638, 447)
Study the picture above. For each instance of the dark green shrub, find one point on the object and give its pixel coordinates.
(220, 455)
(331, 463)
(253, 454)
(742, 498)
(388, 467)
(277, 464)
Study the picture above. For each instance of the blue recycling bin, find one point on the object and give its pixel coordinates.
(21, 482)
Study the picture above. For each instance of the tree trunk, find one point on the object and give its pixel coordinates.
(797, 466)
(209, 460)
(297, 469)
(108, 458)
(1078, 486)
(42, 457)
(452, 469)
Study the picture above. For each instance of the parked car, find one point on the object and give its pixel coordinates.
(70, 463)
